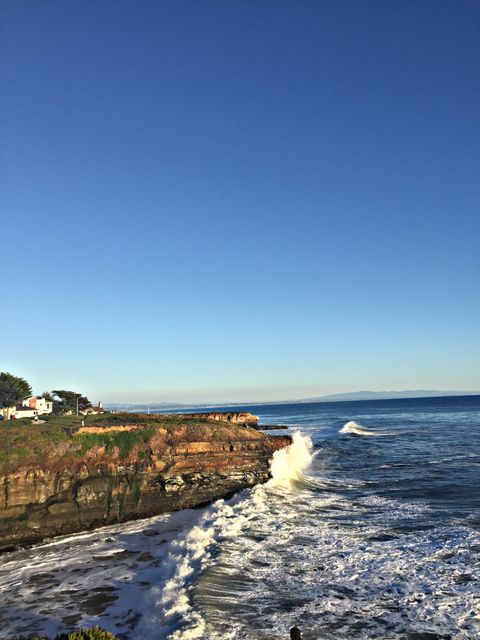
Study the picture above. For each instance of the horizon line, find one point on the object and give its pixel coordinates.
(334, 397)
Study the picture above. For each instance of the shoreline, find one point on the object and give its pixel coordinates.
(123, 467)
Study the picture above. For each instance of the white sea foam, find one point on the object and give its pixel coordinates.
(189, 554)
(147, 568)
(359, 430)
(290, 566)
(288, 464)
(248, 568)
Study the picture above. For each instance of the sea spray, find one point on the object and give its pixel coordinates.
(192, 552)
(150, 566)
(348, 551)
(170, 607)
(287, 464)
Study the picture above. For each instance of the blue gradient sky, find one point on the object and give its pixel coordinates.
(240, 200)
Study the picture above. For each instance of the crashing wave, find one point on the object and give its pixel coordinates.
(287, 464)
(192, 550)
(359, 430)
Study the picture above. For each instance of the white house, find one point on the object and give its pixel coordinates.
(93, 410)
(40, 404)
(22, 412)
(31, 407)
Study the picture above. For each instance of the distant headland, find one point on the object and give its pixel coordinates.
(350, 396)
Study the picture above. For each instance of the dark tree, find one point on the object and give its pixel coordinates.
(12, 391)
(66, 401)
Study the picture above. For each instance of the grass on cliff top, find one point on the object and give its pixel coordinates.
(172, 422)
(24, 440)
(125, 441)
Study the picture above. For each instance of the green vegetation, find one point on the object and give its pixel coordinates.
(95, 633)
(125, 441)
(54, 439)
(71, 422)
(65, 401)
(12, 391)
(21, 439)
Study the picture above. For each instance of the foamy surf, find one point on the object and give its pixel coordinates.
(192, 552)
(359, 430)
(288, 464)
(324, 544)
(136, 579)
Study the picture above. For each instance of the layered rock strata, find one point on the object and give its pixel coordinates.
(100, 475)
(240, 417)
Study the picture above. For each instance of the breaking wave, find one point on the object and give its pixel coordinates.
(190, 554)
(359, 430)
(325, 544)
(287, 464)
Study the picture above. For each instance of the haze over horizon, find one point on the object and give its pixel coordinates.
(347, 396)
(228, 201)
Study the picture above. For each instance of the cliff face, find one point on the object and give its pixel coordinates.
(235, 417)
(102, 474)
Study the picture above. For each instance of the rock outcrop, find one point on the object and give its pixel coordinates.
(240, 417)
(101, 474)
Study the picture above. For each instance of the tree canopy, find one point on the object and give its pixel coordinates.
(13, 390)
(65, 401)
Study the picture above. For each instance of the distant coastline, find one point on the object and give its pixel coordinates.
(389, 395)
(354, 396)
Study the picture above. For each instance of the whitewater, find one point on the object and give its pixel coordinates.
(353, 536)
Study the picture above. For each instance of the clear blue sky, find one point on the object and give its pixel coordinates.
(240, 200)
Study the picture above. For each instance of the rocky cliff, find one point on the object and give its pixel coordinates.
(235, 417)
(61, 477)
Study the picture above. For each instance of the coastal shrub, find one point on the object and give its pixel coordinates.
(125, 441)
(95, 633)
(112, 419)
(23, 441)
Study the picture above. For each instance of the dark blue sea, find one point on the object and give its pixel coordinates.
(369, 528)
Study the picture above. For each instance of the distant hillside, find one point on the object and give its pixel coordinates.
(387, 395)
(145, 406)
(335, 397)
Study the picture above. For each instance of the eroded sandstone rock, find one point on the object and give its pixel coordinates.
(86, 483)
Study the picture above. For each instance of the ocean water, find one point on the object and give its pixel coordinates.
(369, 528)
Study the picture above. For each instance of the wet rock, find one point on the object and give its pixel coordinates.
(96, 604)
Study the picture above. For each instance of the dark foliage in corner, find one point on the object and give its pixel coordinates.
(95, 633)
(12, 390)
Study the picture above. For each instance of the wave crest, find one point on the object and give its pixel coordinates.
(359, 430)
(288, 464)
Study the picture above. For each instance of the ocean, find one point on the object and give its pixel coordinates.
(369, 528)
